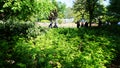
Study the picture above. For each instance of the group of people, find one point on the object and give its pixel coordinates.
(81, 24)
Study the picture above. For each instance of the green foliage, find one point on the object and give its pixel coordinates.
(59, 21)
(44, 8)
(61, 9)
(85, 7)
(113, 10)
(114, 6)
(100, 10)
(89, 9)
(35, 31)
(68, 13)
(23, 10)
(63, 48)
(58, 11)
(10, 32)
(10, 28)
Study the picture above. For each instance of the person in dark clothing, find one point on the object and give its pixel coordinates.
(78, 24)
(86, 24)
(55, 26)
(99, 22)
(50, 26)
(82, 24)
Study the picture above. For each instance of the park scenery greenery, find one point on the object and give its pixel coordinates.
(26, 44)
(91, 47)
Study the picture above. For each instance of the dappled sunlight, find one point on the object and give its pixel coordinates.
(59, 34)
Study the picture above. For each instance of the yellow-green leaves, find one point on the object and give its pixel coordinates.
(25, 9)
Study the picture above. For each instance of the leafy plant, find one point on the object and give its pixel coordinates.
(63, 48)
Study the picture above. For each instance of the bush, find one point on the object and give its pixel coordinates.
(36, 31)
(11, 28)
(10, 32)
(63, 48)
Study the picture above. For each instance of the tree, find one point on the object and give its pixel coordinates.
(24, 9)
(114, 9)
(68, 13)
(86, 7)
(61, 7)
(79, 7)
(57, 12)
(52, 17)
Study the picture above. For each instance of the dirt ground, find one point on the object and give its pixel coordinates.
(65, 25)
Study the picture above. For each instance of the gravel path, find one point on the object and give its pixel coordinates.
(65, 25)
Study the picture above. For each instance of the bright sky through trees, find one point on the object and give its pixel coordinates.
(69, 3)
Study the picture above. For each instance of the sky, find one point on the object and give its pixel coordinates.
(69, 3)
(106, 2)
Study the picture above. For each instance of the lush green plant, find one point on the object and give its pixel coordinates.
(10, 28)
(63, 48)
(113, 9)
(27, 29)
(24, 10)
(10, 32)
(35, 31)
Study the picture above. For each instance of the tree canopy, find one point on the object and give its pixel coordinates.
(58, 11)
(68, 13)
(88, 7)
(24, 9)
(114, 8)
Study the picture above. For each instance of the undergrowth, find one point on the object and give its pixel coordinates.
(91, 47)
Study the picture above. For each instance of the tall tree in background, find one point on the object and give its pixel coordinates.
(57, 12)
(79, 8)
(87, 7)
(24, 9)
(68, 13)
(61, 7)
(91, 8)
(114, 9)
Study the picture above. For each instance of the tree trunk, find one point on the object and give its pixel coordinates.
(90, 17)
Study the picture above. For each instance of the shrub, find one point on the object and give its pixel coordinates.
(35, 31)
(11, 28)
(62, 48)
(65, 49)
